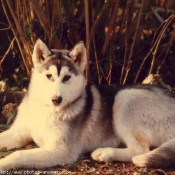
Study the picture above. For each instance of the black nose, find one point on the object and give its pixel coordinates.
(56, 100)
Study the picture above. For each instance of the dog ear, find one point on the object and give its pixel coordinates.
(40, 53)
(79, 56)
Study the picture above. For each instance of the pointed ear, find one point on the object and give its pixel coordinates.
(40, 53)
(79, 56)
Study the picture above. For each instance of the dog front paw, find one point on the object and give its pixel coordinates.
(139, 161)
(103, 154)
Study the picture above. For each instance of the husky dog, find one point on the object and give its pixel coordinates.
(65, 117)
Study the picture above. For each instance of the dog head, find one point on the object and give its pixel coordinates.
(58, 75)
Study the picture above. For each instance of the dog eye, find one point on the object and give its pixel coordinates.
(49, 76)
(66, 78)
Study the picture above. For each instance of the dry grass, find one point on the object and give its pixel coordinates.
(86, 166)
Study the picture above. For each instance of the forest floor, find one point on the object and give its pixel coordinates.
(86, 166)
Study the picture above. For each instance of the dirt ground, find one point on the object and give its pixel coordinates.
(87, 166)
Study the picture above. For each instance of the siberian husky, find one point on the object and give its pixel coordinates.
(65, 117)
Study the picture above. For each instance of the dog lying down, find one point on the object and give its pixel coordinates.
(65, 117)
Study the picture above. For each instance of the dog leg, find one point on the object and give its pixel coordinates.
(116, 154)
(34, 158)
(13, 138)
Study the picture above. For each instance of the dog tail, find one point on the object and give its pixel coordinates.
(161, 157)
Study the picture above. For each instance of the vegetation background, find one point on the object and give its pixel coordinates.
(126, 40)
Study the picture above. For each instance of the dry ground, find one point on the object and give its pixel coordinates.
(86, 166)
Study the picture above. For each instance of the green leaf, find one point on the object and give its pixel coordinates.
(10, 118)
(4, 99)
(4, 127)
